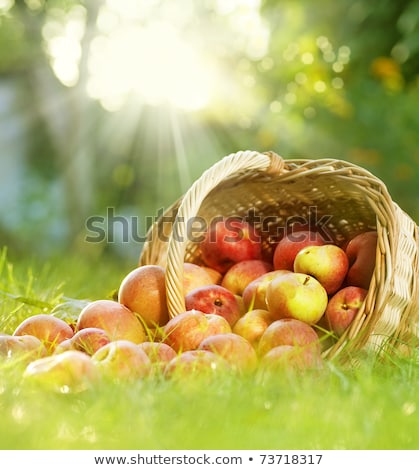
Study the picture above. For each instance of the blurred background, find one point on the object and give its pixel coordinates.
(110, 109)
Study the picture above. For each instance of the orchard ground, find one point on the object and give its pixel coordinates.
(372, 406)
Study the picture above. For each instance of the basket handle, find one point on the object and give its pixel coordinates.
(228, 166)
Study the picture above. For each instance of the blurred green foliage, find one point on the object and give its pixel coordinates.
(305, 79)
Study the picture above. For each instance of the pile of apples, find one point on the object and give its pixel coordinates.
(245, 310)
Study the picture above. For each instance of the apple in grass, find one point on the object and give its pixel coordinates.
(214, 299)
(290, 332)
(196, 362)
(252, 325)
(186, 330)
(47, 328)
(235, 349)
(228, 241)
(114, 318)
(290, 358)
(122, 360)
(26, 347)
(254, 295)
(159, 353)
(361, 253)
(343, 307)
(327, 263)
(143, 291)
(287, 248)
(243, 273)
(296, 295)
(70, 371)
(87, 340)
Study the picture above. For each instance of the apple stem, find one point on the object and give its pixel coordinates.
(306, 280)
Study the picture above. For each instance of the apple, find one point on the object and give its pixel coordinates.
(327, 263)
(287, 248)
(228, 241)
(296, 295)
(195, 276)
(112, 317)
(49, 329)
(252, 325)
(159, 354)
(26, 347)
(196, 362)
(361, 252)
(235, 349)
(122, 360)
(70, 371)
(89, 340)
(214, 299)
(290, 358)
(186, 330)
(216, 276)
(143, 291)
(254, 295)
(343, 307)
(244, 272)
(291, 332)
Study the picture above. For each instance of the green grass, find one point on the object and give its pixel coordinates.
(374, 406)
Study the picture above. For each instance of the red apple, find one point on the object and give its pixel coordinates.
(254, 295)
(296, 295)
(252, 325)
(214, 299)
(50, 330)
(186, 330)
(343, 307)
(291, 332)
(89, 340)
(327, 263)
(26, 347)
(228, 241)
(143, 291)
(361, 252)
(122, 360)
(70, 371)
(159, 354)
(117, 321)
(291, 358)
(235, 349)
(243, 273)
(287, 248)
(193, 363)
(195, 276)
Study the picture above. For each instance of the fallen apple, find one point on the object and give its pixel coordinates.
(49, 329)
(118, 321)
(143, 291)
(289, 332)
(186, 330)
(252, 325)
(122, 360)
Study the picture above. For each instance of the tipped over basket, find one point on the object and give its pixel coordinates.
(346, 198)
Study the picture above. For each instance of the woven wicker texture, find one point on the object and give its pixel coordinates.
(270, 192)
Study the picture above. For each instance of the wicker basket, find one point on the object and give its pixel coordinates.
(273, 190)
